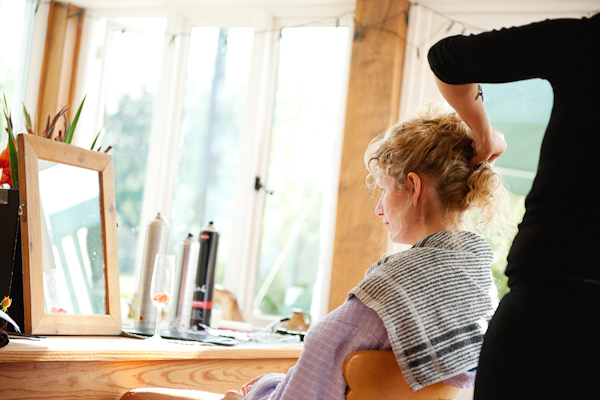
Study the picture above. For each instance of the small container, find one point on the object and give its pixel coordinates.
(299, 320)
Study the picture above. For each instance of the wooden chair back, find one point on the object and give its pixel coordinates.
(375, 374)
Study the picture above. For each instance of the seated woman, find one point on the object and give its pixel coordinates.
(431, 303)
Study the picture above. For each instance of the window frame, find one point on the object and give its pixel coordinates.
(256, 126)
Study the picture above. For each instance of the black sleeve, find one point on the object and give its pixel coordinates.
(537, 50)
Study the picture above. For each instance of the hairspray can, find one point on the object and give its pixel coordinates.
(205, 284)
(187, 264)
(157, 235)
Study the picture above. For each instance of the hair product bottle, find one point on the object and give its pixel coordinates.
(157, 235)
(205, 284)
(187, 265)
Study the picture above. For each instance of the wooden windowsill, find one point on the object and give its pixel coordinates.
(104, 367)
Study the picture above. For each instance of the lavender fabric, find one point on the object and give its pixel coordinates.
(318, 373)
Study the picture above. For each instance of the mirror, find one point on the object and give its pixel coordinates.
(70, 263)
(71, 240)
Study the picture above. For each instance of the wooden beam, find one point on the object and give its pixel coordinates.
(373, 104)
(59, 67)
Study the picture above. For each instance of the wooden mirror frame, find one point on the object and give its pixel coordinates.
(31, 149)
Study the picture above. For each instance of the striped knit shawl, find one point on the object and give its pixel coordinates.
(435, 300)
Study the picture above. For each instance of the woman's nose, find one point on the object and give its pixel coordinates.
(379, 207)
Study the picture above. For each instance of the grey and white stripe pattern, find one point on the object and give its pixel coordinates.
(435, 300)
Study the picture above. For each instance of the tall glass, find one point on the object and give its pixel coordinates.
(161, 288)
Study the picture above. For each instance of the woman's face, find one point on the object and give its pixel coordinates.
(392, 208)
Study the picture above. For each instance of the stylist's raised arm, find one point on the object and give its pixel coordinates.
(467, 100)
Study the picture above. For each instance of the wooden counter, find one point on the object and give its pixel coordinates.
(104, 368)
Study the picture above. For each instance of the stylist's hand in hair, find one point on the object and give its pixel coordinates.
(487, 146)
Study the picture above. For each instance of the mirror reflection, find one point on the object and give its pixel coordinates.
(74, 272)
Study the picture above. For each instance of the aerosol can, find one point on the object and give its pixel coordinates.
(205, 283)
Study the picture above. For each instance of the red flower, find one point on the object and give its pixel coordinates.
(5, 167)
(5, 303)
(161, 298)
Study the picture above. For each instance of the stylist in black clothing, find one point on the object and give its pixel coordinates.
(544, 340)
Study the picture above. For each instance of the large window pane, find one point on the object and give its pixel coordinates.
(215, 91)
(132, 81)
(305, 128)
(521, 111)
(15, 30)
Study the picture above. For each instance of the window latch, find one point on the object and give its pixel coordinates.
(259, 185)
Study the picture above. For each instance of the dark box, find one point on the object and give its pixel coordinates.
(11, 270)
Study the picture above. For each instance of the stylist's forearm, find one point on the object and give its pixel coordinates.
(488, 143)
(465, 100)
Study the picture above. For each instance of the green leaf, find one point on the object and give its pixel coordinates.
(12, 149)
(71, 128)
(28, 125)
(96, 139)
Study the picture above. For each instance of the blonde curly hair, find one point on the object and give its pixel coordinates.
(438, 145)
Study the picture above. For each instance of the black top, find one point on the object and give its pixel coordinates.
(558, 236)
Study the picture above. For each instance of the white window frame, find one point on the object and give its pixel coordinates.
(256, 127)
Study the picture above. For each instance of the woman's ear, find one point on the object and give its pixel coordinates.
(414, 185)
